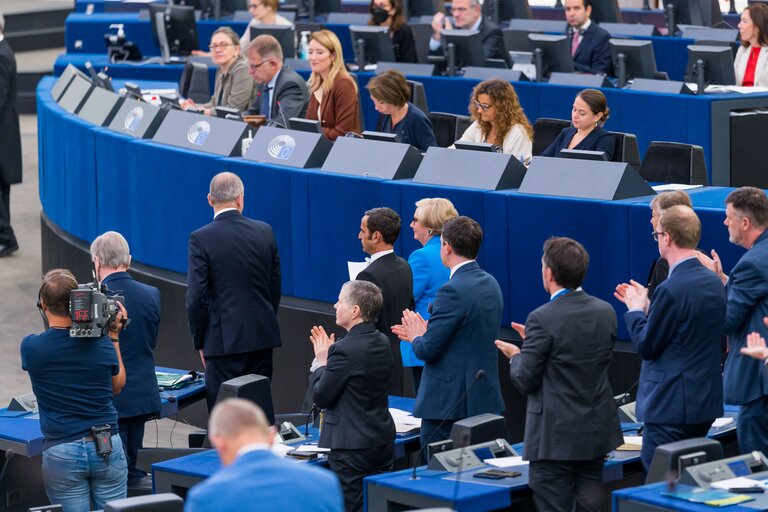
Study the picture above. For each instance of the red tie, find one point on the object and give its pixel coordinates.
(575, 42)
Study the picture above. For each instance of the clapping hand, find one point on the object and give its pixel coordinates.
(756, 347)
(321, 342)
(714, 264)
(412, 326)
(633, 295)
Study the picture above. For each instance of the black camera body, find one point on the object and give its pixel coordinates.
(91, 311)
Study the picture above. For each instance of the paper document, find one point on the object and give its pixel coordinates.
(507, 462)
(404, 421)
(721, 422)
(674, 186)
(311, 448)
(355, 267)
(738, 482)
(631, 443)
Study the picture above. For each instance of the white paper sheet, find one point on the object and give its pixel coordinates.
(355, 267)
(507, 462)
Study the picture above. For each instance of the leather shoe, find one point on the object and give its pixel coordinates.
(6, 250)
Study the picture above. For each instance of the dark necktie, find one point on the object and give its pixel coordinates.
(265, 103)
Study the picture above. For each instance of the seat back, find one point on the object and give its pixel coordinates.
(418, 95)
(545, 131)
(194, 83)
(422, 33)
(626, 149)
(675, 162)
(444, 126)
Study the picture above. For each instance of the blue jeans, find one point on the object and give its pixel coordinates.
(76, 477)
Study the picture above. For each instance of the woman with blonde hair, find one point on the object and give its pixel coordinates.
(333, 97)
(499, 119)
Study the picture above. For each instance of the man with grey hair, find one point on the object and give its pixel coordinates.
(233, 289)
(139, 400)
(466, 15)
(253, 478)
(10, 142)
(351, 385)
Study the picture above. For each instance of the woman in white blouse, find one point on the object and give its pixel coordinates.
(499, 119)
(752, 57)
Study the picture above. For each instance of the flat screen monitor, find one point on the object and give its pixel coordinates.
(632, 58)
(304, 125)
(582, 154)
(550, 54)
(372, 44)
(464, 48)
(382, 136)
(516, 40)
(173, 29)
(133, 91)
(477, 146)
(64, 80)
(418, 8)
(77, 92)
(503, 10)
(710, 65)
(705, 13)
(285, 35)
(229, 7)
(606, 11)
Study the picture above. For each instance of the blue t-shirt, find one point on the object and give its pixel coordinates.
(72, 380)
(414, 129)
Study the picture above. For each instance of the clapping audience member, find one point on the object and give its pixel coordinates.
(752, 55)
(498, 118)
(234, 88)
(589, 114)
(390, 94)
(466, 15)
(333, 97)
(389, 13)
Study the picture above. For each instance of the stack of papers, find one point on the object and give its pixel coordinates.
(507, 462)
(739, 482)
(631, 443)
(721, 422)
(405, 423)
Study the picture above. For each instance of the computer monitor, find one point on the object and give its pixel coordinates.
(173, 30)
(632, 58)
(477, 146)
(382, 136)
(606, 11)
(372, 44)
(583, 154)
(503, 10)
(710, 65)
(462, 48)
(304, 125)
(416, 8)
(705, 13)
(550, 53)
(229, 7)
(285, 35)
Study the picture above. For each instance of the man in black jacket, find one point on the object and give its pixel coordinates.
(10, 142)
(233, 289)
(590, 48)
(467, 16)
(351, 387)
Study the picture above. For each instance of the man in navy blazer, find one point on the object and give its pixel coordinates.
(253, 478)
(677, 334)
(139, 399)
(461, 374)
(233, 289)
(592, 50)
(744, 381)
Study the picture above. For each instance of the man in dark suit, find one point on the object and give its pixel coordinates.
(350, 385)
(253, 478)
(589, 43)
(744, 382)
(139, 399)
(379, 229)
(677, 334)
(281, 93)
(571, 421)
(233, 289)
(467, 16)
(10, 142)
(461, 375)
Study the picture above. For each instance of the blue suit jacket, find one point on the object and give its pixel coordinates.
(679, 342)
(429, 274)
(594, 52)
(260, 480)
(597, 140)
(233, 286)
(743, 378)
(466, 315)
(137, 345)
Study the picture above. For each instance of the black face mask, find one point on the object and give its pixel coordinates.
(379, 15)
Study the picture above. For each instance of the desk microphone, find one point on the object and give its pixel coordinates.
(282, 115)
(9, 453)
(478, 377)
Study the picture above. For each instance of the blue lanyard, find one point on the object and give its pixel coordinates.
(561, 292)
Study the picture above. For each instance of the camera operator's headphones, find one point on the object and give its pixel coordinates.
(46, 282)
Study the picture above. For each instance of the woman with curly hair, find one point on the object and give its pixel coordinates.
(588, 115)
(499, 119)
(333, 98)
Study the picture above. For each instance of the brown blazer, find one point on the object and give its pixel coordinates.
(339, 111)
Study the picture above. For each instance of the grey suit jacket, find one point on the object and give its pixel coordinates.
(563, 368)
(291, 95)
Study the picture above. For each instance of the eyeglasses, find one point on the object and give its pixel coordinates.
(215, 47)
(459, 9)
(482, 106)
(254, 67)
(656, 235)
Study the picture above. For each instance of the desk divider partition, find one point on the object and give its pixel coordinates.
(289, 148)
(201, 133)
(470, 169)
(373, 159)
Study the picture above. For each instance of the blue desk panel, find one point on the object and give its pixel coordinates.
(651, 495)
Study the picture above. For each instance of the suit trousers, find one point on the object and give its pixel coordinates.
(558, 485)
(655, 434)
(351, 466)
(6, 232)
(132, 435)
(219, 369)
(752, 426)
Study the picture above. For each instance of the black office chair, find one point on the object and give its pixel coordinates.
(422, 33)
(194, 83)
(627, 149)
(674, 162)
(166, 502)
(545, 131)
(418, 95)
(448, 127)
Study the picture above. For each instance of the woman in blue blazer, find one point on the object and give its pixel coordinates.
(589, 114)
(429, 273)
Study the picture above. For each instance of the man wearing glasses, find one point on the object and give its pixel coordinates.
(677, 334)
(281, 93)
(466, 16)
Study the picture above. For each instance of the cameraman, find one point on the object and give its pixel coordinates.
(74, 380)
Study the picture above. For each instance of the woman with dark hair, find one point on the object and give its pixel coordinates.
(589, 113)
(499, 119)
(263, 12)
(390, 94)
(389, 13)
(750, 61)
